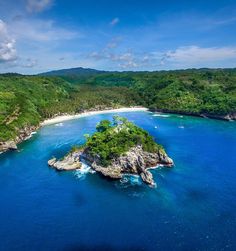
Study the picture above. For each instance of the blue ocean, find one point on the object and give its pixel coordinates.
(192, 208)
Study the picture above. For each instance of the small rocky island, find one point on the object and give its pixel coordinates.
(116, 148)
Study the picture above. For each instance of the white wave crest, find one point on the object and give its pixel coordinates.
(83, 171)
(59, 124)
(131, 180)
(161, 115)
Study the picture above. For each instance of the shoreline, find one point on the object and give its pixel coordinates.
(62, 118)
(228, 117)
(11, 144)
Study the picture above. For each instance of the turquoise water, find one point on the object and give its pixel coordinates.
(192, 208)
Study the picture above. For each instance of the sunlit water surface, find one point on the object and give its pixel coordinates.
(192, 208)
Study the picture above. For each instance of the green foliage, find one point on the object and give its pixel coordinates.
(75, 148)
(190, 91)
(118, 137)
(103, 125)
(27, 100)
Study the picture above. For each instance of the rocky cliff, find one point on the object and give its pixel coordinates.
(23, 134)
(135, 161)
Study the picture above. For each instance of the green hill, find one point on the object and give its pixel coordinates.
(27, 100)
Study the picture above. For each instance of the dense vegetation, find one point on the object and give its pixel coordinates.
(112, 139)
(206, 91)
(26, 100)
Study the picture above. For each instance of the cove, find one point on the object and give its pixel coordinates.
(192, 207)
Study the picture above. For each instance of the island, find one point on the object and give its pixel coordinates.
(117, 147)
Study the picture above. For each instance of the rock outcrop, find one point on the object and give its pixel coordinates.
(7, 145)
(135, 161)
(69, 162)
(24, 134)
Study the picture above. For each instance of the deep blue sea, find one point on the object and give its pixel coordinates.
(192, 208)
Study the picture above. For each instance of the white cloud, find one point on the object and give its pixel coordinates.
(114, 21)
(124, 60)
(7, 45)
(194, 55)
(182, 57)
(38, 5)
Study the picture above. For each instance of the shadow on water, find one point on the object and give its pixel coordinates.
(131, 186)
(197, 195)
(80, 200)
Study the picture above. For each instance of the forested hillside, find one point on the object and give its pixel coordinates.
(27, 100)
(211, 92)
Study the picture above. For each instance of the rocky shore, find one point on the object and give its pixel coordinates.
(26, 133)
(23, 134)
(135, 161)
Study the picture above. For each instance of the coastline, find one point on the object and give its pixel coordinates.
(28, 132)
(62, 118)
(228, 117)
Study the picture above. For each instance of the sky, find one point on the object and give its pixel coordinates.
(43, 35)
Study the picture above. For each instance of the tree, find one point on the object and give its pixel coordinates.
(103, 125)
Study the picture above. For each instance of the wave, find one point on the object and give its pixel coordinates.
(83, 171)
(161, 115)
(59, 124)
(130, 180)
(155, 167)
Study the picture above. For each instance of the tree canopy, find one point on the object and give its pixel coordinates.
(113, 138)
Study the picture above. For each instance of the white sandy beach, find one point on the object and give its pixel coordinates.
(62, 118)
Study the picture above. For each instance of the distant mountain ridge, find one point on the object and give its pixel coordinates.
(80, 71)
(72, 71)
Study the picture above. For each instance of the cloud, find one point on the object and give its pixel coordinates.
(124, 60)
(194, 55)
(7, 45)
(38, 5)
(182, 57)
(114, 21)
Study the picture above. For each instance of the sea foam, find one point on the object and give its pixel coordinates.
(83, 171)
(131, 180)
(59, 124)
(161, 115)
